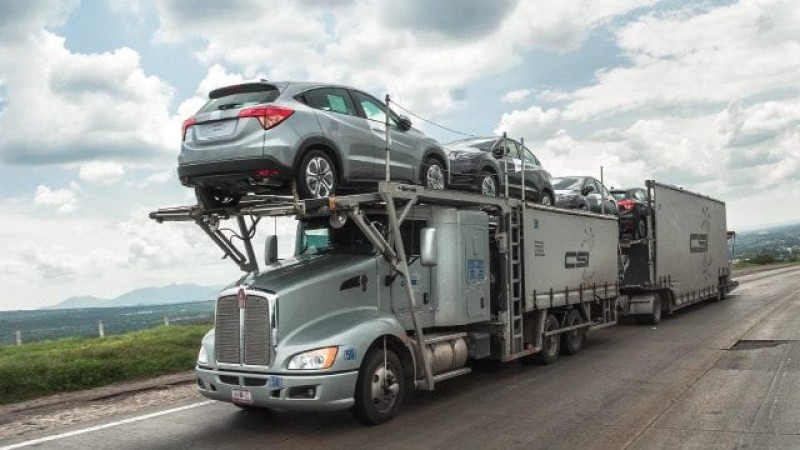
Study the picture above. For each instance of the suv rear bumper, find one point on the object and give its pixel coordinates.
(238, 174)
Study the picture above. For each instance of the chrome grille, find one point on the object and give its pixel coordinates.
(255, 338)
(227, 331)
(256, 331)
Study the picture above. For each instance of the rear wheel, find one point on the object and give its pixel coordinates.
(641, 229)
(551, 345)
(380, 388)
(488, 184)
(654, 318)
(547, 199)
(316, 176)
(572, 341)
(433, 174)
(583, 207)
(210, 197)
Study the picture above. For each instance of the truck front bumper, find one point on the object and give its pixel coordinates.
(313, 392)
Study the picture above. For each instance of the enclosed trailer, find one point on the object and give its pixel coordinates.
(683, 259)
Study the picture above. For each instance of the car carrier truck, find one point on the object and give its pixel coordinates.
(395, 290)
(684, 258)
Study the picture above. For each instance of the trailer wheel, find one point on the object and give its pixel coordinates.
(572, 341)
(380, 388)
(653, 318)
(551, 345)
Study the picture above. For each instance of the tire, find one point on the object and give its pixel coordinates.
(572, 341)
(488, 184)
(432, 171)
(641, 229)
(212, 198)
(550, 345)
(375, 404)
(547, 199)
(653, 318)
(316, 175)
(583, 207)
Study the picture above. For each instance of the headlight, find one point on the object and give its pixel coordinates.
(202, 357)
(321, 358)
(462, 155)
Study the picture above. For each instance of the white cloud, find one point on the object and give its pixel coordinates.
(101, 172)
(531, 123)
(516, 96)
(65, 107)
(62, 199)
(423, 53)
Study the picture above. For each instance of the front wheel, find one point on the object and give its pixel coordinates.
(316, 176)
(433, 174)
(380, 388)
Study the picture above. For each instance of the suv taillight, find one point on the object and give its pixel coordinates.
(269, 116)
(625, 204)
(186, 124)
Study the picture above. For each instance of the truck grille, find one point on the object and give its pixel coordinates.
(254, 338)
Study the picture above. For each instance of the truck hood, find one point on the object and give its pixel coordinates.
(299, 271)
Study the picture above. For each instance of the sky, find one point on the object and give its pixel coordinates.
(701, 94)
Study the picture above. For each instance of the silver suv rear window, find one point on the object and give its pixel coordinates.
(240, 96)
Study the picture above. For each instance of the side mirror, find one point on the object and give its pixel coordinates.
(427, 241)
(499, 151)
(588, 190)
(404, 123)
(271, 249)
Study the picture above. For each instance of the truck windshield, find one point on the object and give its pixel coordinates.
(316, 236)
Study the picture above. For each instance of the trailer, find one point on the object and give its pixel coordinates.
(684, 258)
(397, 289)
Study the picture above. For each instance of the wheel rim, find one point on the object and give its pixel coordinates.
(319, 177)
(434, 177)
(551, 342)
(384, 388)
(546, 200)
(488, 186)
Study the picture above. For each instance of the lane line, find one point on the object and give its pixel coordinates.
(104, 426)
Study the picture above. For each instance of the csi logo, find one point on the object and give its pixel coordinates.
(576, 260)
(698, 243)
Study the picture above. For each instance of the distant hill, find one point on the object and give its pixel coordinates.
(164, 295)
(780, 241)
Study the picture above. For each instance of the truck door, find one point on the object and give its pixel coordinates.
(420, 276)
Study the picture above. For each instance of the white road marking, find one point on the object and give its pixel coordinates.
(104, 426)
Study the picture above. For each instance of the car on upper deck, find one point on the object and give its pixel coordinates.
(270, 137)
(583, 192)
(473, 166)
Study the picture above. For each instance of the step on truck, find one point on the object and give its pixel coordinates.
(396, 290)
(682, 261)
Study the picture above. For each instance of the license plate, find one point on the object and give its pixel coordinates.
(241, 396)
(217, 129)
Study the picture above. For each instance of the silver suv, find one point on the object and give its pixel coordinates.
(264, 137)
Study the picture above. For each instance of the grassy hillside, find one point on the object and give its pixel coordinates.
(49, 367)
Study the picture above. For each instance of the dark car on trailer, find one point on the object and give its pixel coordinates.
(270, 137)
(633, 210)
(474, 166)
(584, 193)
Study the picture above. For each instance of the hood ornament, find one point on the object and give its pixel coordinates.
(242, 297)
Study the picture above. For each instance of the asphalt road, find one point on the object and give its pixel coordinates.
(716, 376)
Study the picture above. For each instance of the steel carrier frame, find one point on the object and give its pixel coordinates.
(397, 199)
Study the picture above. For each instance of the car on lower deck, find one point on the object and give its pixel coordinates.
(585, 193)
(633, 212)
(272, 137)
(473, 166)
